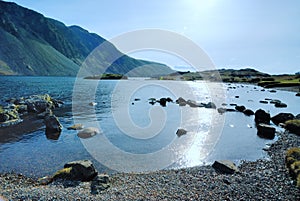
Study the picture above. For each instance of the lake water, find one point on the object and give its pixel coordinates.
(135, 135)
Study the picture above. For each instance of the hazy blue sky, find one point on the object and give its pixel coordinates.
(264, 34)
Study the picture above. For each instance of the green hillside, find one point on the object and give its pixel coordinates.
(32, 44)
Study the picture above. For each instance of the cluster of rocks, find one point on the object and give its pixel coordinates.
(79, 171)
(238, 108)
(182, 102)
(39, 105)
(286, 120)
(277, 103)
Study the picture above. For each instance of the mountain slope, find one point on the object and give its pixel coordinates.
(31, 44)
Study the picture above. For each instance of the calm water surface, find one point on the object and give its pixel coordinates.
(134, 127)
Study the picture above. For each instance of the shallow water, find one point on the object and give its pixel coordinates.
(135, 135)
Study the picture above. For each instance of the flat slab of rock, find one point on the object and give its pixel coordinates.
(76, 127)
(88, 132)
(266, 131)
(225, 167)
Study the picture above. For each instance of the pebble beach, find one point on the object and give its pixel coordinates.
(266, 179)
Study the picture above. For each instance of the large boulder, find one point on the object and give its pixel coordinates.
(262, 116)
(82, 170)
(225, 166)
(266, 131)
(52, 124)
(282, 118)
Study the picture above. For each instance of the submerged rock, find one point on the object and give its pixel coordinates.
(88, 132)
(76, 127)
(263, 101)
(266, 131)
(225, 166)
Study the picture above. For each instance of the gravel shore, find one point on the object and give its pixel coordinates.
(259, 180)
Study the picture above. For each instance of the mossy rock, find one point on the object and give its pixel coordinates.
(293, 163)
(293, 126)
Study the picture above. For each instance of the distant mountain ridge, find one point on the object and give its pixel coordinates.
(31, 44)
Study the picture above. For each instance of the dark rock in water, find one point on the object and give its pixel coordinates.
(137, 99)
(100, 183)
(181, 132)
(88, 132)
(4, 117)
(297, 116)
(77, 171)
(240, 108)
(192, 103)
(275, 101)
(233, 104)
(248, 112)
(224, 104)
(282, 118)
(163, 102)
(263, 90)
(92, 103)
(50, 135)
(298, 94)
(273, 91)
(52, 124)
(264, 102)
(225, 166)
(169, 99)
(181, 101)
(281, 105)
(210, 105)
(266, 131)
(152, 101)
(293, 126)
(262, 116)
(268, 99)
(221, 110)
(237, 96)
(76, 127)
(47, 112)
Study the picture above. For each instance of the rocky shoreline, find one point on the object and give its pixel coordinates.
(259, 180)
